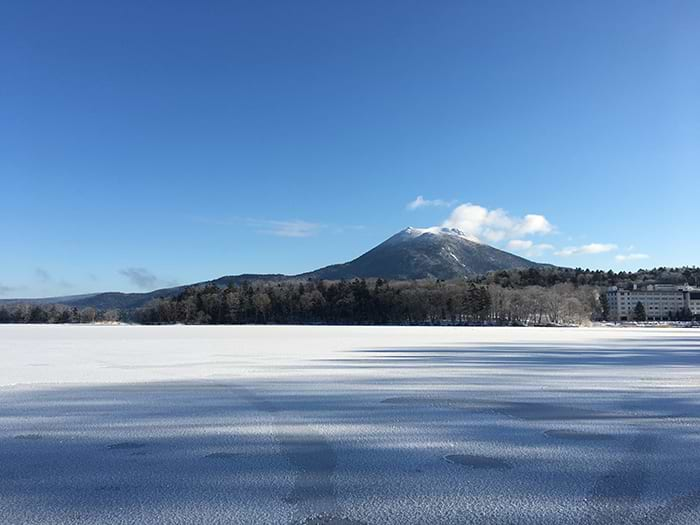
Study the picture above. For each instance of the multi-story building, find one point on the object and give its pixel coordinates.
(662, 302)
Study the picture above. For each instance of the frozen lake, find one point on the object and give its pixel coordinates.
(349, 425)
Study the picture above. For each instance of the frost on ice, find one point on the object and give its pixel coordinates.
(349, 425)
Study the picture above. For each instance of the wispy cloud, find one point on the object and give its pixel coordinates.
(4, 289)
(420, 202)
(529, 248)
(586, 249)
(293, 228)
(44, 276)
(145, 279)
(631, 257)
(280, 228)
(481, 224)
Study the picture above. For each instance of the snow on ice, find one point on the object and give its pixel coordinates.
(349, 425)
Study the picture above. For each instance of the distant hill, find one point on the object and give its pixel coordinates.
(413, 253)
(122, 300)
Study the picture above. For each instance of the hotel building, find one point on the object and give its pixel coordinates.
(661, 301)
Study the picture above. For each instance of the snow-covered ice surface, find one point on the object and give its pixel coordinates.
(347, 425)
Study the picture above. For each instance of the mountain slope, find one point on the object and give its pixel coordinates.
(121, 300)
(417, 253)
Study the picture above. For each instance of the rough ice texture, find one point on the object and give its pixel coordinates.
(349, 425)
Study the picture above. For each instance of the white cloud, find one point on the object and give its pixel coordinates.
(294, 228)
(520, 245)
(631, 257)
(420, 202)
(528, 248)
(533, 224)
(479, 223)
(592, 248)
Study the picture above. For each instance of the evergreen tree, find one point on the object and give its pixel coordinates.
(640, 313)
(685, 314)
(605, 307)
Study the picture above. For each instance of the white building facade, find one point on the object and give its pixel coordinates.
(662, 302)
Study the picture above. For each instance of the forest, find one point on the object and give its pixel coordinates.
(354, 302)
(376, 302)
(549, 296)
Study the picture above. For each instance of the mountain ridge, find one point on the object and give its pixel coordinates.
(411, 254)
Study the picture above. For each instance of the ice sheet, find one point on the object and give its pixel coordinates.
(397, 425)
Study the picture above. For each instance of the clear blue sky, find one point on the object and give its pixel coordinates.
(144, 143)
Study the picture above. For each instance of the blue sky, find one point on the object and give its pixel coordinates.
(149, 143)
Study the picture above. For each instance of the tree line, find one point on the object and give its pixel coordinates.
(537, 296)
(549, 276)
(339, 302)
(56, 314)
(376, 302)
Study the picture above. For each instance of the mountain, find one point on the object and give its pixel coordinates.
(122, 300)
(418, 253)
(414, 253)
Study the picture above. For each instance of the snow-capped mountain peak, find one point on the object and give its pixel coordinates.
(419, 253)
(436, 230)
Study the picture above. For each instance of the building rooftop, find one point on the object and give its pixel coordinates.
(656, 288)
